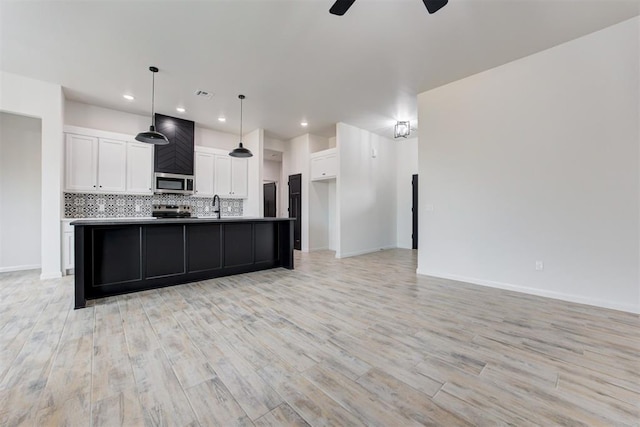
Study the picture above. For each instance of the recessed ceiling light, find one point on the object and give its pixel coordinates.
(180, 109)
(304, 124)
(128, 97)
(222, 119)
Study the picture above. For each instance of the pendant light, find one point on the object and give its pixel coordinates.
(151, 136)
(241, 151)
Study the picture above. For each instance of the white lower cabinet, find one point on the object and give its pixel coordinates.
(67, 247)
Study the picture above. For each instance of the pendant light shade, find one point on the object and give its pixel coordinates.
(240, 151)
(151, 136)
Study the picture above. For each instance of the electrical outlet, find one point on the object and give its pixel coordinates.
(206, 208)
(138, 208)
(539, 265)
(101, 207)
(229, 209)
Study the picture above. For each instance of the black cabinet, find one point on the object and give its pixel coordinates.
(115, 246)
(266, 242)
(121, 257)
(177, 156)
(204, 247)
(164, 250)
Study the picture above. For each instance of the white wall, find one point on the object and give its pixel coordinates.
(20, 192)
(94, 117)
(272, 171)
(254, 205)
(318, 215)
(214, 139)
(35, 98)
(332, 212)
(274, 144)
(365, 192)
(296, 160)
(406, 167)
(538, 160)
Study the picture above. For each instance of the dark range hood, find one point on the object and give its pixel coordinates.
(177, 156)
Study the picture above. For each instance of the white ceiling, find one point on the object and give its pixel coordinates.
(292, 59)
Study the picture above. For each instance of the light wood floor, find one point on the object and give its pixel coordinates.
(359, 341)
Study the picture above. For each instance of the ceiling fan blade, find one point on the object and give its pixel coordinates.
(340, 7)
(435, 5)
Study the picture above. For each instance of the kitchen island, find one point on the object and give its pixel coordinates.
(120, 256)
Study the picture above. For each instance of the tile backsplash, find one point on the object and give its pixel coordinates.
(99, 205)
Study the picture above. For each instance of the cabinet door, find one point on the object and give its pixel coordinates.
(331, 166)
(67, 251)
(81, 163)
(139, 168)
(204, 174)
(239, 177)
(318, 168)
(222, 183)
(112, 162)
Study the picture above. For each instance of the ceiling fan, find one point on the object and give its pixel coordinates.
(340, 7)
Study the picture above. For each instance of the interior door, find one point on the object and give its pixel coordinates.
(295, 208)
(414, 211)
(270, 199)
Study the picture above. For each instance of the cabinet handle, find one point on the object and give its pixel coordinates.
(323, 173)
(94, 186)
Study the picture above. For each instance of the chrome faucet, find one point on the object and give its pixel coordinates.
(216, 211)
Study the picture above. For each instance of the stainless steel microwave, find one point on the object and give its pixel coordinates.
(172, 183)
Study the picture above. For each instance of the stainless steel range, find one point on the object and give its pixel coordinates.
(171, 211)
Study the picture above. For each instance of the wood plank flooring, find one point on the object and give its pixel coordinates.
(357, 341)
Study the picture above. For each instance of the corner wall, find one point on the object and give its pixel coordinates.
(20, 192)
(406, 167)
(365, 192)
(538, 160)
(35, 98)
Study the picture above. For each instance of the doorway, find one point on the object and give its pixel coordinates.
(295, 208)
(414, 212)
(270, 199)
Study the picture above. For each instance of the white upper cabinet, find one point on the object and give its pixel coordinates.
(105, 162)
(81, 163)
(223, 176)
(204, 167)
(231, 177)
(112, 165)
(324, 165)
(239, 177)
(139, 168)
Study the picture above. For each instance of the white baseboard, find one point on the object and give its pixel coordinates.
(19, 268)
(362, 252)
(51, 275)
(322, 248)
(630, 308)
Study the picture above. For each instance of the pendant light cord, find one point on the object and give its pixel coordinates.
(153, 95)
(241, 119)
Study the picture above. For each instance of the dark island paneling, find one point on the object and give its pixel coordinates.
(204, 247)
(164, 250)
(115, 257)
(236, 251)
(115, 246)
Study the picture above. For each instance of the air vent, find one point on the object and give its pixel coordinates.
(204, 94)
